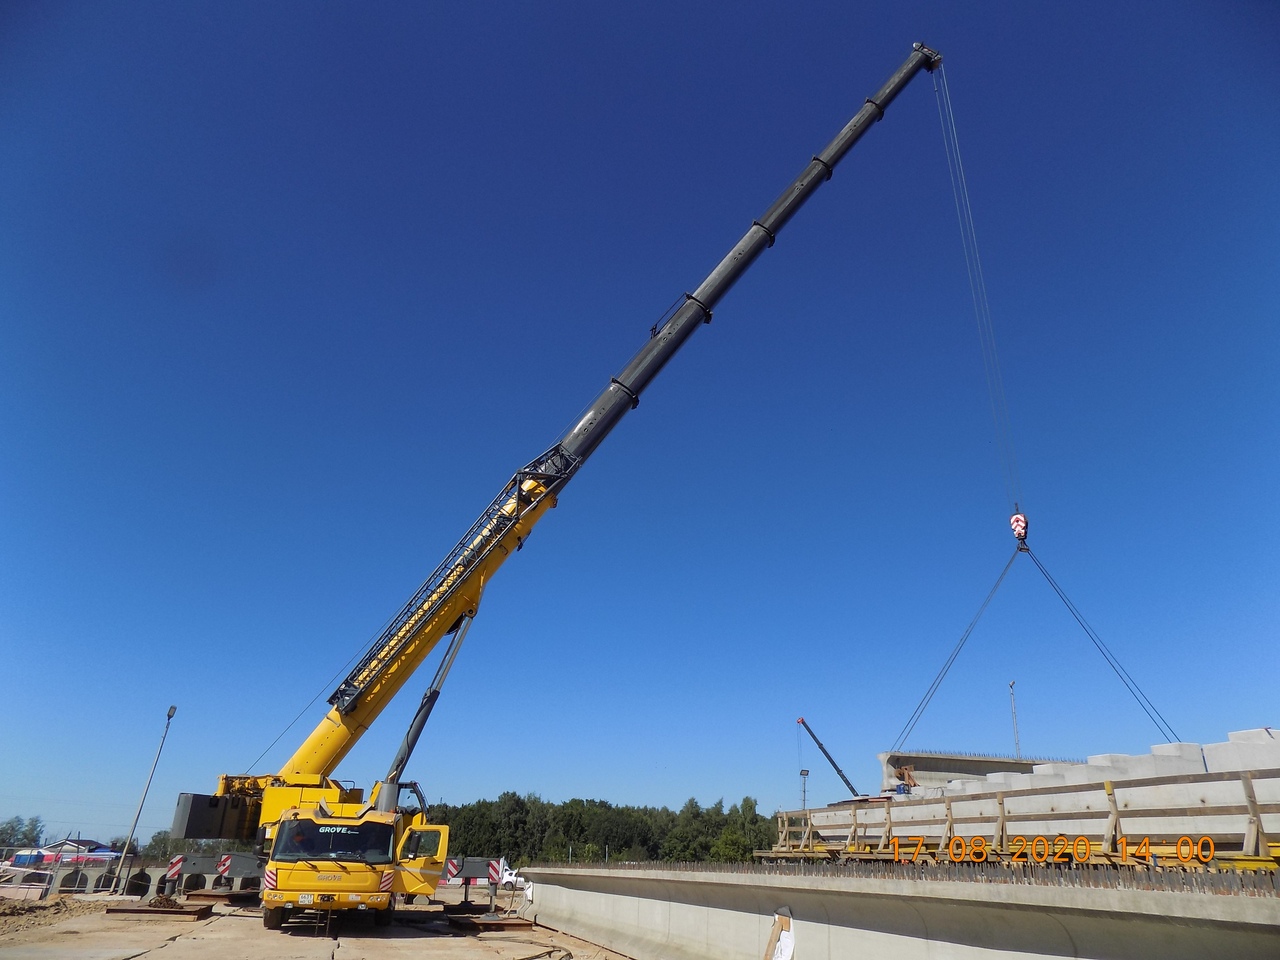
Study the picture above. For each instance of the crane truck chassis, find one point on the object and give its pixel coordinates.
(326, 847)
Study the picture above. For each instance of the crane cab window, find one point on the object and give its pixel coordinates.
(307, 840)
(419, 844)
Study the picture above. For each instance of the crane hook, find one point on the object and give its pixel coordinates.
(1018, 523)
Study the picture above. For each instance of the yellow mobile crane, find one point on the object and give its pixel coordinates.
(329, 847)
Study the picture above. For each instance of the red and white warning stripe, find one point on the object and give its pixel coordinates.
(1018, 522)
(386, 880)
(175, 868)
(269, 880)
(495, 871)
(451, 870)
(224, 864)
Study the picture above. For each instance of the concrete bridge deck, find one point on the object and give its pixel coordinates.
(960, 912)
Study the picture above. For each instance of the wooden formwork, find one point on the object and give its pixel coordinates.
(1226, 819)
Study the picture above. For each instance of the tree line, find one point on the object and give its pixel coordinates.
(528, 829)
(19, 832)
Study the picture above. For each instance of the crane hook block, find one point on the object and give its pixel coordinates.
(1019, 524)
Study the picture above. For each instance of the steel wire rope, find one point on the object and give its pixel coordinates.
(978, 290)
(329, 685)
(995, 382)
(1130, 684)
(937, 681)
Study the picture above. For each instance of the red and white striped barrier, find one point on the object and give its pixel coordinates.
(451, 870)
(224, 864)
(495, 871)
(175, 868)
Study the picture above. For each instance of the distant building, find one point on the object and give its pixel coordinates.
(64, 851)
(74, 847)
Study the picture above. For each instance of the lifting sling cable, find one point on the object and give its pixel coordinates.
(301, 713)
(322, 692)
(978, 290)
(1131, 685)
(937, 681)
(1000, 407)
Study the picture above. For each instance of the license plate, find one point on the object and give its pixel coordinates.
(306, 898)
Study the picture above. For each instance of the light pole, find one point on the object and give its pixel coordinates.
(134, 826)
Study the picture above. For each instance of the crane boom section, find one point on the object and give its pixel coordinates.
(432, 615)
(623, 392)
(830, 759)
(453, 590)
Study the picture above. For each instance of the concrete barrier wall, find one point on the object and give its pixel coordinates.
(677, 915)
(143, 881)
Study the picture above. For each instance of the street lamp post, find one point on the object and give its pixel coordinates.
(134, 826)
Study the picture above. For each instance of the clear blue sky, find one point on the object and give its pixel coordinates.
(287, 292)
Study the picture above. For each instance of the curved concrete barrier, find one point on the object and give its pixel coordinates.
(144, 881)
(664, 914)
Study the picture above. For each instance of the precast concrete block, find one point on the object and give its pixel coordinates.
(1084, 773)
(1108, 760)
(1187, 751)
(986, 809)
(1242, 755)
(1256, 735)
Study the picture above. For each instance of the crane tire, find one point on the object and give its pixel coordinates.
(272, 917)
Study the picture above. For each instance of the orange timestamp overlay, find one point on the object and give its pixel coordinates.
(1059, 849)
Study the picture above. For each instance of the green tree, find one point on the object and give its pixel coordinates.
(527, 828)
(688, 839)
(117, 843)
(731, 846)
(32, 834)
(157, 847)
(17, 832)
(10, 831)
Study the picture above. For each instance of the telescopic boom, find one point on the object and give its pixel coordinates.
(505, 525)
(830, 759)
(454, 589)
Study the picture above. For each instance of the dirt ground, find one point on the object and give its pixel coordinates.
(18, 915)
(77, 928)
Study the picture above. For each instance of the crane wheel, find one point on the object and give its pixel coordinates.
(272, 917)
